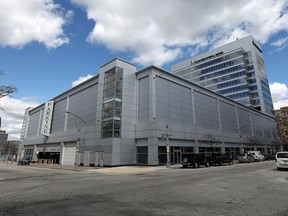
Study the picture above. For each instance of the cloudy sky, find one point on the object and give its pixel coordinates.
(48, 46)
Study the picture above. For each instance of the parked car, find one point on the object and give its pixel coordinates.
(220, 159)
(268, 157)
(281, 159)
(245, 158)
(257, 155)
(194, 160)
(24, 161)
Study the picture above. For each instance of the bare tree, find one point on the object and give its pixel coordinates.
(211, 140)
(9, 149)
(254, 141)
(6, 90)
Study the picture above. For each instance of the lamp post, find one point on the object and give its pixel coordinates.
(166, 136)
(78, 130)
(241, 132)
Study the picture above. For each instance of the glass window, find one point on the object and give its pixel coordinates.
(112, 109)
(109, 85)
(107, 134)
(142, 149)
(110, 72)
(108, 113)
(109, 92)
(107, 125)
(109, 79)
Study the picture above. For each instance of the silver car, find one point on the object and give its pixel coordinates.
(245, 158)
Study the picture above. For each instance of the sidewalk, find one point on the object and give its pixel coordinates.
(117, 169)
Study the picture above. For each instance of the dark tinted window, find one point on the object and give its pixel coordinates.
(282, 155)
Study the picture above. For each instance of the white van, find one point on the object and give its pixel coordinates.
(281, 159)
(257, 155)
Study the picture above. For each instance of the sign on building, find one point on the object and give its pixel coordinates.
(47, 118)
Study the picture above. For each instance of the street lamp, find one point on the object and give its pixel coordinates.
(78, 130)
(76, 116)
(241, 132)
(166, 136)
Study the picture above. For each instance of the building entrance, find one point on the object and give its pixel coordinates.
(48, 157)
(177, 156)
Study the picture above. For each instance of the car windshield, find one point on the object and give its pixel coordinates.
(282, 155)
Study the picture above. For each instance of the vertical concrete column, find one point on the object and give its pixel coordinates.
(61, 159)
(196, 147)
(223, 148)
(152, 97)
(193, 108)
(153, 151)
(219, 115)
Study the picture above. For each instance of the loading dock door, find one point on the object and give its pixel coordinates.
(69, 154)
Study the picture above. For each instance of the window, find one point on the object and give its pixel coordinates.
(142, 155)
(112, 103)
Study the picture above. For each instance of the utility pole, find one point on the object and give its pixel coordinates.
(166, 136)
(79, 141)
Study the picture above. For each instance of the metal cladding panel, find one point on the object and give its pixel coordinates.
(228, 117)
(173, 102)
(58, 118)
(143, 100)
(257, 125)
(33, 124)
(206, 111)
(83, 104)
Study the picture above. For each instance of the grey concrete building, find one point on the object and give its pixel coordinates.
(235, 70)
(122, 116)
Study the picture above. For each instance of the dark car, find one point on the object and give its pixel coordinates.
(220, 159)
(24, 161)
(269, 157)
(194, 160)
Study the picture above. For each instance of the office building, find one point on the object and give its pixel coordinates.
(123, 116)
(282, 123)
(235, 70)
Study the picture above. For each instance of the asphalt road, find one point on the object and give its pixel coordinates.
(241, 189)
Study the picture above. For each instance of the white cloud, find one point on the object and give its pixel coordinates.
(13, 113)
(32, 20)
(280, 43)
(81, 79)
(157, 32)
(279, 92)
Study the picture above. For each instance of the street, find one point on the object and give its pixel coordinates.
(240, 189)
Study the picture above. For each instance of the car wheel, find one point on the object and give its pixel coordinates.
(196, 165)
(184, 166)
(278, 168)
(231, 162)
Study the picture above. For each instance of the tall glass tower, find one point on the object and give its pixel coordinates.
(235, 70)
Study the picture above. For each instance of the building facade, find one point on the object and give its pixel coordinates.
(235, 70)
(121, 116)
(282, 123)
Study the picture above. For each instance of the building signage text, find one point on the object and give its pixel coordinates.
(206, 58)
(47, 118)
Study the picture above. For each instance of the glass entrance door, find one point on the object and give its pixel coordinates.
(177, 156)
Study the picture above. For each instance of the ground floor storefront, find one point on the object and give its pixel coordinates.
(160, 153)
(68, 153)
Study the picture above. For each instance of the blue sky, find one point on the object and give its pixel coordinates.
(47, 45)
